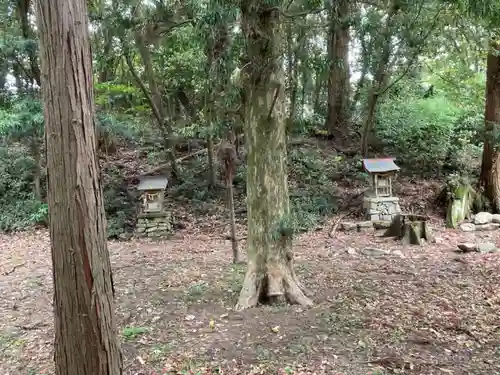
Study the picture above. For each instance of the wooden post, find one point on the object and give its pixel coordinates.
(376, 184)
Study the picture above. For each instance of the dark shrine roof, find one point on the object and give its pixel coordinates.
(152, 183)
(380, 165)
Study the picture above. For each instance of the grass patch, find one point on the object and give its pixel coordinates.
(133, 332)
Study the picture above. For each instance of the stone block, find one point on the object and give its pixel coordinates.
(483, 218)
(386, 217)
(467, 227)
(487, 227)
(348, 227)
(374, 217)
(366, 229)
(380, 224)
(365, 224)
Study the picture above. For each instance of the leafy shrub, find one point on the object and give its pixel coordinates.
(311, 189)
(423, 133)
(119, 202)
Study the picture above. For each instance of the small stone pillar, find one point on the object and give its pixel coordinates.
(381, 208)
(153, 225)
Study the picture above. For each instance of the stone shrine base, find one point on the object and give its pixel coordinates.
(153, 225)
(381, 208)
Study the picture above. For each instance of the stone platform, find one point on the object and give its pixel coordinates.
(153, 225)
(381, 208)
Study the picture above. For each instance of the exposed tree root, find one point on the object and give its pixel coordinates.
(276, 284)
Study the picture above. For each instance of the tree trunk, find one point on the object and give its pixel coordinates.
(212, 178)
(86, 341)
(318, 88)
(165, 128)
(232, 221)
(270, 274)
(380, 79)
(490, 167)
(35, 152)
(292, 74)
(338, 75)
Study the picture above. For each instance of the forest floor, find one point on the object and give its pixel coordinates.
(410, 310)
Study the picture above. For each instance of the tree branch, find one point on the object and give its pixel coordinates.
(140, 83)
(415, 54)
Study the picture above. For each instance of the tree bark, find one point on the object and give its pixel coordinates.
(338, 75)
(490, 167)
(270, 274)
(85, 330)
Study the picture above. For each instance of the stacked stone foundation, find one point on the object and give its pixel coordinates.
(153, 225)
(381, 208)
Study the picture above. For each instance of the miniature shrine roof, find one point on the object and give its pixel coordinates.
(152, 183)
(380, 165)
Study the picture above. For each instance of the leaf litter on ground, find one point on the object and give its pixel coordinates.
(411, 310)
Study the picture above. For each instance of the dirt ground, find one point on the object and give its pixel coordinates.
(410, 310)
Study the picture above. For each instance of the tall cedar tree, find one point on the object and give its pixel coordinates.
(270, 274)
(490, 167)
(86, 340)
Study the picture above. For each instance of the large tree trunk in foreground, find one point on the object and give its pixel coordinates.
(85, 331)
(270, 274)
(338, 74)
(490, 167)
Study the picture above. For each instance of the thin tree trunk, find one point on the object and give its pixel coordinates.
(232, 219)
(379, 80)
(338, 75)
(212, 177)
(165, 128)
(86, 341)
(318, 87)
(490, 167)
(270, 274)
(35, 152)
(292, 74)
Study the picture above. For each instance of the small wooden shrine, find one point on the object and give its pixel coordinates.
(382, 172)
(153, 193)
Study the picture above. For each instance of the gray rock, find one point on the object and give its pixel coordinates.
(365, 224)
(366, 230)
(374, 217)
(373, 251)
(125, 236)
(486, 247)
(467, 247)
(351, 251)
(348, 227)
(495, 218)
(483, 218)
(467, 227)
(398, 253)
(381, 224)
(152, 229)
(487, 227)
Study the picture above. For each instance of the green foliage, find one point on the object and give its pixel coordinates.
(23, 121)
(312, 192)
(120, 202)
(427, 135)
(17, 203)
